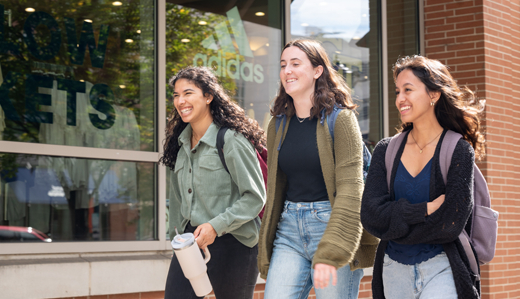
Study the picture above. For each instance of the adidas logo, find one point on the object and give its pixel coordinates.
(232, 68)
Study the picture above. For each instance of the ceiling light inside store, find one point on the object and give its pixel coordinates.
(30, 9)
(139, 31)
(304, 25)
(203, 23)
(366, 77)
(185, 40)
(117, 3)
(260, 14)
(129, 40)
(81, 80)
(364, 15)
(88, 20)
(338, 52)
(267, 45)
(356, 38)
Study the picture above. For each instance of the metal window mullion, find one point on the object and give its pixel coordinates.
(384, 37)
(161, 118)
(76, 152)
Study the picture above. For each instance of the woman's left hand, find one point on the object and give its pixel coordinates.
(205, 235)
(322, 273)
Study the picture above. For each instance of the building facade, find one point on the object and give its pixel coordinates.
(84, 105)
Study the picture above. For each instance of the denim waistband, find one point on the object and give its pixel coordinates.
(307, 205)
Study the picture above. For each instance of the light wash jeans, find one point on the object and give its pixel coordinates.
(290, 275)
(427, 280)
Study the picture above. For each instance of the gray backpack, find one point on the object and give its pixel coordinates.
(484, 226)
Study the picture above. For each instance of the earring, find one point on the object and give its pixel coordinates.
(432, 103)
(207, 101)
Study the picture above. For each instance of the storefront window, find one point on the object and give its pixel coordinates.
(240, 40)
(72, 199)
(349, 32)
(78, 73)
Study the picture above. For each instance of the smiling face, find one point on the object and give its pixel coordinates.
(297, 74)
(190, 103)
(412, 98)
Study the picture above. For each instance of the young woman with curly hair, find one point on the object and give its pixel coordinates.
(311, 232)
(219, 208)
(419, 218)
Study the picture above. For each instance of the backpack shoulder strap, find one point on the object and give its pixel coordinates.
(391, 152)
(447, 148)
(331, 120)
(220, 146)
(279, 119)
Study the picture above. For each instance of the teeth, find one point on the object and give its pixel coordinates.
(405, 108)
(186, 110)
(290, 80)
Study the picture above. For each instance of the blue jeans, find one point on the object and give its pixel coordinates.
(290, 274)
(427, 280)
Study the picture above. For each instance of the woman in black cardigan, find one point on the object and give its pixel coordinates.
(420, 218)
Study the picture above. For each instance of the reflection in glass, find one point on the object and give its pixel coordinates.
(241, 46)
(75, 199)
(349, 32)
(70, 76)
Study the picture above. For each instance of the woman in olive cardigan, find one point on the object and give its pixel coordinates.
(343, 242)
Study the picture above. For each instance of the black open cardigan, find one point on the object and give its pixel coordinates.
(406, 223)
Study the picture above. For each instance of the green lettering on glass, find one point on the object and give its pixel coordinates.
(33, 99)
(86, 39)
(72, 87)
(9, 81)
(53, 47)
(239, 32)
(6, 47)
(103, 106)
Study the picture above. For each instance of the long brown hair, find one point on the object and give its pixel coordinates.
(224, 111)
(457, 109)
(330, 88)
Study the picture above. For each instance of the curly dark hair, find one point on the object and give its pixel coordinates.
(330, 88)
(225, 113)
(457, 109)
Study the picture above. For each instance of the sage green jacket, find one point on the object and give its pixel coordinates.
(344, 241)
(201, 190)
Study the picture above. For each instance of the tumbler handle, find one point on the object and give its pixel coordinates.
(207, 255)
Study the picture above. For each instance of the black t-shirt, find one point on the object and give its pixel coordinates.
(300, 161)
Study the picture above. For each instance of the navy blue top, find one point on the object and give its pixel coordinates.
(415, 190)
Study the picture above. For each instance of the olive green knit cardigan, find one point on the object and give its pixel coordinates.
(344, 241)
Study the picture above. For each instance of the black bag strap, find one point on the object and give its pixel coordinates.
(220, 146)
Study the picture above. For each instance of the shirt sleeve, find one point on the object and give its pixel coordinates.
(343, 233)
(244, 168)
(174, 214)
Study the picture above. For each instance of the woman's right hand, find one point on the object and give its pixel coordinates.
(435, 204)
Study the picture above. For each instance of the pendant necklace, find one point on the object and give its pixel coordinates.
(300, 119)
(421, 149)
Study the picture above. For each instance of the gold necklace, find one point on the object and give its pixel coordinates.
(421, 149)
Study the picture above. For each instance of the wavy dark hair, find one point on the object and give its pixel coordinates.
(224, 111)
(330, 88)
(457, 109)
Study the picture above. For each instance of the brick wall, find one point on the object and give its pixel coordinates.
(479, 41)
